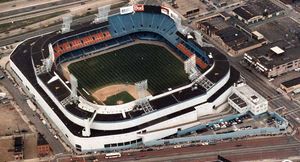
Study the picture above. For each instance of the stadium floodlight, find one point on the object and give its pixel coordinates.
(102, 15)
(66, 26)
(141, 88)
(46, 67)
(74, 85)
(190, 68)
(199, 39)
(51, 52)
(87, 125)
(189, 64)
(48, 64)
(181, 28)
(86, 132)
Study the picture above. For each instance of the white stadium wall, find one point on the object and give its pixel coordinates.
(150, 133)
(89, 144)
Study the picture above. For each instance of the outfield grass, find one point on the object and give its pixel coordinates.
(129, 65)
(124, 96)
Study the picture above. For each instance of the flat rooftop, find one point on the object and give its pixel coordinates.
(257, 8)
(291, 83)
(236, 39)
(251, 94)
(185, 6)
(268, 58)
(216, 22)
(237, 100)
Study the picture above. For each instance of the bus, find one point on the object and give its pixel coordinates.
(112, 155)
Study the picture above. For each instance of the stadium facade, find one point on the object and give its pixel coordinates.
(87, 126)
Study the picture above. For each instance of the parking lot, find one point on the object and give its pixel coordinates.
(244, 122)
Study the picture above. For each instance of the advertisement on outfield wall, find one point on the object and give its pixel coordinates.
(126, 10)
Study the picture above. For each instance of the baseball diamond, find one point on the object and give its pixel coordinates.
(129, 65)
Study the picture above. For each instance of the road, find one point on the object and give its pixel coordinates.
(236, 150)
(35, 8)
(24, 36)
(264, 87)
(262, 151)
(261, 84)
(57, 27)
(56, 146)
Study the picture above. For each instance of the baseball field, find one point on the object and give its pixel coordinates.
(129, 65)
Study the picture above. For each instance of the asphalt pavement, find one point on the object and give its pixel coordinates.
(21, 37)
(56, 146)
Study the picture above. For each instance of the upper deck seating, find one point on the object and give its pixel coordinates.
(83, 40)
(188, 53)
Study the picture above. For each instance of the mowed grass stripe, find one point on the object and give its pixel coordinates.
(130, 65)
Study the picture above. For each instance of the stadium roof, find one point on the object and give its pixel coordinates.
(257, 8)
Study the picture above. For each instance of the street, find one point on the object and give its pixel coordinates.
(235, 150)
(261, 84)
(21, 37)
(56, 146)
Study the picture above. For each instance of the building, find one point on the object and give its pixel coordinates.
(244, 99)
(188, 8)
(274, 59)
(257, 10)
(235, 41)
(80, 122)
(289, 1)
(291, 85)
(235, 38)
(43, 147)
(213, 24)
(220, 3)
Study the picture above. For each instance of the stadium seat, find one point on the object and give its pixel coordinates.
(188, 53)
(81, 41)
(120, 26)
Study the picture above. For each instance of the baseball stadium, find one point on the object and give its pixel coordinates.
(131, 78)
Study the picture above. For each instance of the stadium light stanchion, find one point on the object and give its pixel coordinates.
(66, 26)
(102, 14)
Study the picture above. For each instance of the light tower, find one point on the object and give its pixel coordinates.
(190, 68)
(141, 88)
(102, 14)
(74, 86)
(66, 26)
